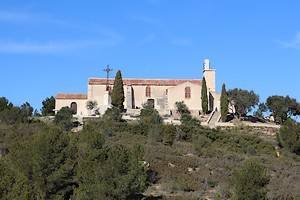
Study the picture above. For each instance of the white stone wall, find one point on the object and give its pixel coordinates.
(96, 93)
(158, 93)
(177, 93)
(81, 105)
(210, 78)
(140, 94)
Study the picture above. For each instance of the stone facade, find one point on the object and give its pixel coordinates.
(161, 93)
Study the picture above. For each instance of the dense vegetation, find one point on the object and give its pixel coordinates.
(283, 108)
(146, 159)
(113, 159)
(243, 102)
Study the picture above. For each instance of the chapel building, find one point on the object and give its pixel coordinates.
(162, 94)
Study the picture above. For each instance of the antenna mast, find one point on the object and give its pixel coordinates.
(107, 70)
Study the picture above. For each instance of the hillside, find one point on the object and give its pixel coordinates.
(180, 162)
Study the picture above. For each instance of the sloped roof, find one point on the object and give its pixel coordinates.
(156, 82)
(71, 96)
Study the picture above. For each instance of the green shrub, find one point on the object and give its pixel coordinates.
(63, 118)
(169, 134)
(250, 181)
(201, 141)
(150, 116)
(112, 114)
(155, 134)
(289, 136)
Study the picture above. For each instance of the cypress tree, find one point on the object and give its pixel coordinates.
(204, 97)
(117, 95)
(224, 103)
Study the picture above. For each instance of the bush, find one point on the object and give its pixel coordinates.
(289, 136)
(169, 134)
(251, 181)
(63, 118)
(201, 141)
(113, 114)
(14, 115)
(150, 116)
(185, 115)
(188, 119)
(155, 134)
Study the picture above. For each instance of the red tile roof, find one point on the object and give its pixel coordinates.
(157, 82)
(71, 96)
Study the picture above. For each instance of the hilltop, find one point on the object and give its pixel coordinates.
(179, 162)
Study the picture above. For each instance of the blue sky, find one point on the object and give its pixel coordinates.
(54, 46)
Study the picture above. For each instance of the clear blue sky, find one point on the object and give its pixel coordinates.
(54, 46)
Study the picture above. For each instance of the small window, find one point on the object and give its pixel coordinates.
(74, 107)
(187, 92)
(151, 103)
(148, 91)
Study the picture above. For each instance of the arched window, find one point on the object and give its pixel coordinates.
(187, 92)
(148, 91)
(74, 107)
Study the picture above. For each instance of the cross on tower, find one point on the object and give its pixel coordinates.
(107, 70)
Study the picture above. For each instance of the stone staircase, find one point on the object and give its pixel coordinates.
(214, 118)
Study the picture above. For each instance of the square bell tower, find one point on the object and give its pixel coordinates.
(210, 76)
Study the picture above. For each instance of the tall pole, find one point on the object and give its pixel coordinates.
(107, 70)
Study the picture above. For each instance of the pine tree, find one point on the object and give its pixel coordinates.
(224, 104)
(117, 95)
(48, 106)
(204, 97)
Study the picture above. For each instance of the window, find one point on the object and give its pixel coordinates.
(187, 92)
(151, 103)
(148, 91)
(74, 107)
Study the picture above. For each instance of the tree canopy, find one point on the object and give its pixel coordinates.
(40, 168)
(48, 106)
(107, 173)
(260, 110)
(117, 95)
(14, 114)
(5, 104)
(51, 164)
(242, 100)
(27, 109)
(282, 107)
